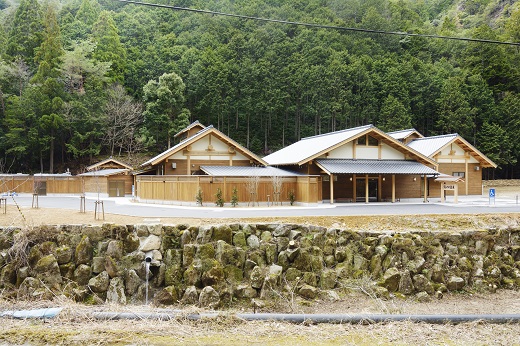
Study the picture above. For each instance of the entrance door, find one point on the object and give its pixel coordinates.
(116, 188)
(372, 189)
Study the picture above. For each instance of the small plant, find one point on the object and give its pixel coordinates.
(292, 197)
(234, 197)
(220, 201)
(198, 197)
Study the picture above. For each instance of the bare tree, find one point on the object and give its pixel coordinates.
(123, 116)
(277, 183)
(252, 189)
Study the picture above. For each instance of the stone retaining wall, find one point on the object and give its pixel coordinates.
(217, 265)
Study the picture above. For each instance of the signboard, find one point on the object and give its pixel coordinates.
(449, 187)
(492, 194)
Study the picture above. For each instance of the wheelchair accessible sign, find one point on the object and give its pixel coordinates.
(492, 194)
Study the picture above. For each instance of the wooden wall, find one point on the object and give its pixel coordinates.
(185, 188)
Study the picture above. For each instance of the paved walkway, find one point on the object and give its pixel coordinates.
(125, 206)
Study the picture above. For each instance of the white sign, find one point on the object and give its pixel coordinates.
(449, 187)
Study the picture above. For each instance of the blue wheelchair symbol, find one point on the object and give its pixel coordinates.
(491, 193)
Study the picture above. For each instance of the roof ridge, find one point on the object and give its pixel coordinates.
(438, 136)
(339, 131)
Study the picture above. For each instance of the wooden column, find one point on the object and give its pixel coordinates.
(366, 188)
(466, 177)
(354, 188)
(331, 188)
(188, 163)
(393, 188)
(379, 188)
(425, 191)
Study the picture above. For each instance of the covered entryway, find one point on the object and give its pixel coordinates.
(365, 180)
(116, 188)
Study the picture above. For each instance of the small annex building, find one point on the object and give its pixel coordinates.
(109, 177)
(454, 157)
(361, 164)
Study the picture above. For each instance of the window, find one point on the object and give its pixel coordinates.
(459, 174)
(368, 141)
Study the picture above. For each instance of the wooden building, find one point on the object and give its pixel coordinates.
(108, 178)
(455, 157)
(361, 164)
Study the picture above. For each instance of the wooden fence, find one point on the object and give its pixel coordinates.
(21, 183)
(185, 189)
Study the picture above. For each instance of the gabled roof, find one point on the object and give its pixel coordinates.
(312, 147)
(244, 171)
(104, 172)
(202, 133)
(366, 166)
(430, 146)
(403, 134)
(196, 123)
(105, 162)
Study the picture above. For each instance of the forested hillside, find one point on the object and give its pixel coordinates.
(81, 79)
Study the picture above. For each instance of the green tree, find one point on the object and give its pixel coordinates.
(108, 46)
(455, 113)
(164, 102)
(394, 115)
(25, 35)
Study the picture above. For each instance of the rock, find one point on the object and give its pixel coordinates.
(246, 291)
(282, 230)
(131, 242)
(481, 247)
(222, 232)
(328, 279)
(29, 289)
(99, 283)
(270, 253)
(98, 264)
(405, 283)
(257, 277)
(266, 236)
(329, 295)
(82, 274)
(308, 291)
(292, 253)
(391, 279)
(152, 242)
(422, 297)
(185, 237)
(212, 273)
(455, 283)
(209, 298)
(239, 240)
(115, 249)
(63, 254)
(132, 282)
(190, 296)
(48, 271)
(116, 291)
(8, 276)
(422, 284)
(84, 250)
(293, 274)
(310, 279)
(253, 242)
(166, 296)
(204, 235)
(112, 267)
(188, 254)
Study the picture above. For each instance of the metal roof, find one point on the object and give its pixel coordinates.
(360, 166)
(310, 146)
(402, 134)
(428, 146)
(246, 171)
(104, 172)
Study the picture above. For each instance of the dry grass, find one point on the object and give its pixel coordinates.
(75, 325)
